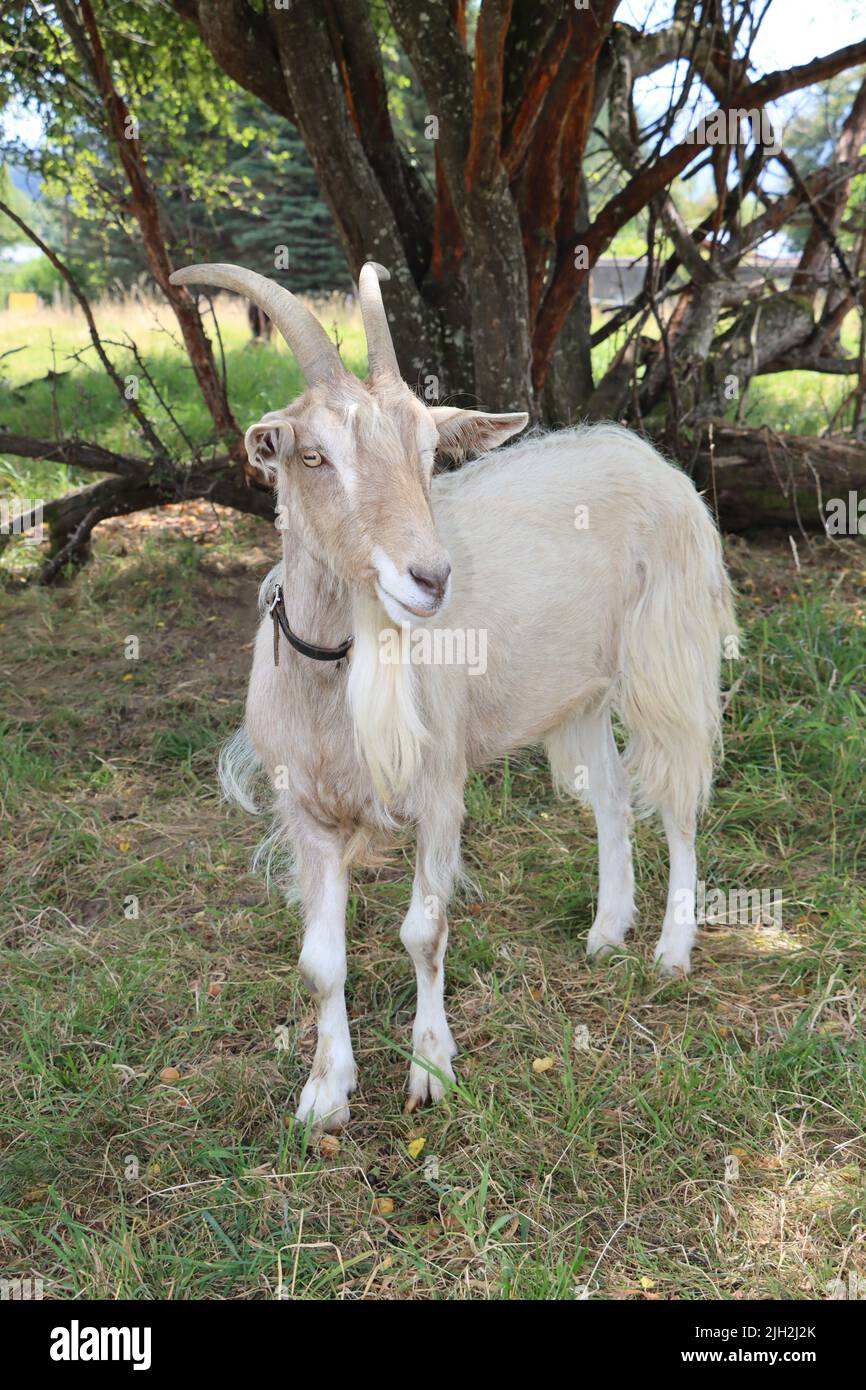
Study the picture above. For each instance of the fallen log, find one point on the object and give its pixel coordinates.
(134, 485)
(756, 478)
(752, 479)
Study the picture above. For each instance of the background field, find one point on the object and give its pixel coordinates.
(613, 1171)
(52, 385)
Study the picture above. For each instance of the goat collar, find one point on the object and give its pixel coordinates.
(277, 610)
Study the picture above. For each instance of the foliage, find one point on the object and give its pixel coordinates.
(810, 138)
(234, 179)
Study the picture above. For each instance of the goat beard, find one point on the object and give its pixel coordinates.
(390, 733)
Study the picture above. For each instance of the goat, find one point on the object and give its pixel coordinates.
(594, 573)
(260, 325)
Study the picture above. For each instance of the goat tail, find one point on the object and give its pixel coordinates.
(239, 767)
(678, 618)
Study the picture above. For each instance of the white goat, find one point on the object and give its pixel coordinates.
(588, 565)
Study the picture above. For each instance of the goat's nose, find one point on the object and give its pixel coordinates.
(432, 581)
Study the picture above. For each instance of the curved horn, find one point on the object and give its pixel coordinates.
(381, 357)
(317, 356)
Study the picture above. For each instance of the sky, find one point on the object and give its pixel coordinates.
(792, 32)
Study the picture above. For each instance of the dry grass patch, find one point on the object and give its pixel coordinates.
(679, 1140)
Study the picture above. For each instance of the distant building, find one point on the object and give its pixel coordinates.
(617, 280)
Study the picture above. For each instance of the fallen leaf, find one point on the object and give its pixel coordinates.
(646, 1283)
(414, 1147)
(383, 1206)
(169, 1074)
(543, 1064)
(770, 1161)
(329, 1145)
(214, 989)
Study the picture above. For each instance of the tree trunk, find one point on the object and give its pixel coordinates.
(487, 294)
(144, 206)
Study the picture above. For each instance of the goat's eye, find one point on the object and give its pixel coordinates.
(311, 457)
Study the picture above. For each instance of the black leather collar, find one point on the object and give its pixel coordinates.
(277, 610)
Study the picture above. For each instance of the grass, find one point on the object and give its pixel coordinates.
(685, 1140)
(54, 386)
(689, 1140)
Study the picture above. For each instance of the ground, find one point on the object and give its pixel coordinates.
(611, 1135)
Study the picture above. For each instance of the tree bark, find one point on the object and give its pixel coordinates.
(144, 206)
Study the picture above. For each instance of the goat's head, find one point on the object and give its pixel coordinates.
(352, 461)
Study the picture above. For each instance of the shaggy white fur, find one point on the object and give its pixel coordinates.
(595, 573)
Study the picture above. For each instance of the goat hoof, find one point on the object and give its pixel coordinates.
(672, 961)
(424, 1085)
(603, 939)
(325, 1101)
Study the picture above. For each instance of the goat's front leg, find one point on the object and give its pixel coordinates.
(424, 933)
(324, 891)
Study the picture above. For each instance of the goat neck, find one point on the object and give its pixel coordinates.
(318, 603)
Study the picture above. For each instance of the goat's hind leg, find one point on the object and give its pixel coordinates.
(323, 885)
(424, 933)
(673, 954)
(585, 762)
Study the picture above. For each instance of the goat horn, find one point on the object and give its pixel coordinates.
(381, 357)
(316, 355)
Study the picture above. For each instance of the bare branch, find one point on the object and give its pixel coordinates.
(77, 454)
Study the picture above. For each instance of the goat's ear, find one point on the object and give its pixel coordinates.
(462, 432)
(268, 443)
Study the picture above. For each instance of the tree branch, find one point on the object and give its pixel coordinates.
(77, 454)
(652, 178)
(145, 208)
(482, 159)
(243, 44)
